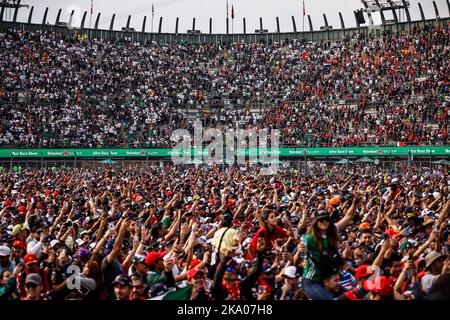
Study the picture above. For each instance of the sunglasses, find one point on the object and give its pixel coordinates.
(137, 287)
(31, 285)
(322, 220)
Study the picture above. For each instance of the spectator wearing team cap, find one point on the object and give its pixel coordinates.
(155, 263)
(290, 284)
(31, 266)
(122, 287)
(379, 288)
(333, 204)
(362, 273)
(139, 267)
(196, 279)
(5, 262)
(18, 252)
(33, 287)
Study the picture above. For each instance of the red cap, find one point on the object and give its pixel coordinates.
(169, 193)
(55, 194)
(276, 184)
(151, 258)
(361, 272)
(8, 203)
(30, 258)
(40, 206)
(22, 209)
(391, 233)
(381, 285)
(47, 191)
(193, 272)
(19, 243)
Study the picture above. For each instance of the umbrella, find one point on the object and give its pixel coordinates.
(270, 161)
(364, 159)
(195, 161)
(442, 161)
(343, 161)
(107, 161)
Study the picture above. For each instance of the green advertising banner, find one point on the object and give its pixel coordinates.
(281, 152)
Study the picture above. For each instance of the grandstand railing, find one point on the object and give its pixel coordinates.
(169, 38)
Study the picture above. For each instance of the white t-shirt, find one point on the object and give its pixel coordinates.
(427, 282)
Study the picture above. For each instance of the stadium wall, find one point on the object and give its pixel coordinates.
(168, 38)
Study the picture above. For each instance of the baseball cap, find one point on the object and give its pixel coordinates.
(427, 222)
(30, 258)
(266, 267)
(20, 244)
(193, 272)
(157, 289)
(334, 202)
(108, 247)
(4, 251)
(381, 285)
(290, 272)
(362, 272)
(321, 214)
(123, 280)
(364, 226)
(82, 253)
(33, 278)
(153, 256)
(431, 257)
(18, 228)
(391, 233)
(138, 259)
(54, 242)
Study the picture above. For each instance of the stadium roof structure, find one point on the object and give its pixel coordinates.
(323, 33)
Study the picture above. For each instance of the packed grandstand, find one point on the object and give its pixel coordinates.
(62, 91)
(212, 232)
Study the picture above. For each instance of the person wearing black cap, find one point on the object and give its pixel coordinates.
(122, 287)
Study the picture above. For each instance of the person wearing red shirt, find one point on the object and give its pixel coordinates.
(269, 230)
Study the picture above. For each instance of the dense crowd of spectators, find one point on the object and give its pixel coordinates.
(223, 234)
(59, 90)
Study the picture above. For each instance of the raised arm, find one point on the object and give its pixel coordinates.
(115, 252)
(349, 215)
